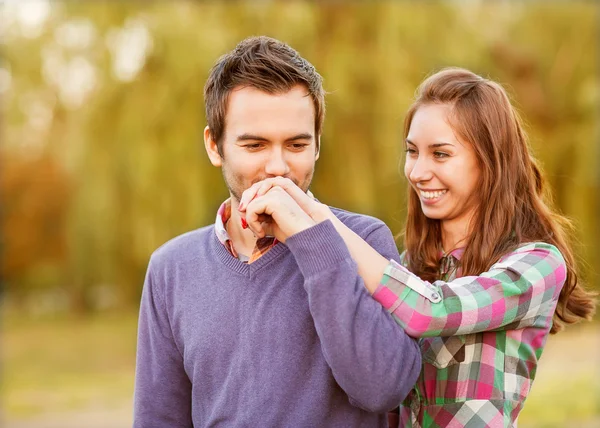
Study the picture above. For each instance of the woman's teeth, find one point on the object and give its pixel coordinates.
(431, 195)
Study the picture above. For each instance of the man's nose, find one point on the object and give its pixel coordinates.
(276, 163)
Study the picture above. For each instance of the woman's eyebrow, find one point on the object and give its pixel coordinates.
(433, 146)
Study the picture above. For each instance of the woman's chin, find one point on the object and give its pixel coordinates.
(431, 212)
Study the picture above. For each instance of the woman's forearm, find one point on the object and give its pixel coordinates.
(371, 264)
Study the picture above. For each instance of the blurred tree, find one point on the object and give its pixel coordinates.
(104, 114)
(35, 193)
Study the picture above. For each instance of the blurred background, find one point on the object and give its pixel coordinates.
(102, 161)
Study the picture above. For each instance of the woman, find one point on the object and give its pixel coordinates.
(488, 271)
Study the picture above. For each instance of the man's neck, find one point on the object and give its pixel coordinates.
(243, 240)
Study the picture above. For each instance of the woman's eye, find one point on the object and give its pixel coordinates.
(410, 151)
(441, 154)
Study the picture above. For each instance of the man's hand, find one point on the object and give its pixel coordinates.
(276, 206)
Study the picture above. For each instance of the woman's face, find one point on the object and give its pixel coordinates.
(441, 168)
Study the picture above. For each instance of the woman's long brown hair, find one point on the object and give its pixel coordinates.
(515, 206)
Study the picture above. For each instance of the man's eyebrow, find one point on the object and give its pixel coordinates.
(303, 136)
(251, 137)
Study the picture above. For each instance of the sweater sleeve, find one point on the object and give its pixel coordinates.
(372, 360)
(519, 291)
(162, 394)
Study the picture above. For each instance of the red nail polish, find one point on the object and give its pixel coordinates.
(244, 224)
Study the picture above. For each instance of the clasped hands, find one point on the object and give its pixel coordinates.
(277, 207)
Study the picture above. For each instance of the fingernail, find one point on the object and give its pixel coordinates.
(241, 206)
(244, 224)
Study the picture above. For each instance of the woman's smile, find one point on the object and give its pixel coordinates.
(431, 197)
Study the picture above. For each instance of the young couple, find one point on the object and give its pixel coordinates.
(290, 313)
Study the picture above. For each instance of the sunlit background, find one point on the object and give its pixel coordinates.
(102, 161)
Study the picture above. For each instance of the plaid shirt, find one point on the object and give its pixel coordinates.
(262, 245)
(480, 336)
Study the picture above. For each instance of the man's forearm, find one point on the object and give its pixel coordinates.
(371, 358)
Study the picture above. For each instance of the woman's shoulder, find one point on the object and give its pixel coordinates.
(533, 251)
(535, 260)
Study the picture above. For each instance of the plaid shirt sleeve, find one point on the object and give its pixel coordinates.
(521, 290)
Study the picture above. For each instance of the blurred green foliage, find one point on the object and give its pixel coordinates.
(102, 155)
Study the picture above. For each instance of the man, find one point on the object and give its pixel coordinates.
(240, 332)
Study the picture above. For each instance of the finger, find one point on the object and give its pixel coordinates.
(261, 210)
(269, 228)
(259, 189)
(286, 216)
(251, 193)
(248, 195)
(267, 185)
(256, 214)
(264, 221)
(306, 203)
(264, 218)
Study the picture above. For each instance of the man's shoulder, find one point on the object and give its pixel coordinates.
(372, 230)
(182, 247)
(361, 224)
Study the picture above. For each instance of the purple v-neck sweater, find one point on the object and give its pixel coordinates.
(291, 340)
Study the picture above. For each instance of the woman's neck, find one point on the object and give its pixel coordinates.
(454, 234)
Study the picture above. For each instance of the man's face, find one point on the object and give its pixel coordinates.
(266, 135)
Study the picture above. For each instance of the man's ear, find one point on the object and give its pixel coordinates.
(318, 148)
(211, 148)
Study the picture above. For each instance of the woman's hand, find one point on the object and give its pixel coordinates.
(276, 206)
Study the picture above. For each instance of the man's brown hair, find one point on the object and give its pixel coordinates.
(265, 64)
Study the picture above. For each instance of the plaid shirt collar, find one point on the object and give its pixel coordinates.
(262, 245)
(449, 264)
(457, 253)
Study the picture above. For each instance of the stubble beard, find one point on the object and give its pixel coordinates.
(235, 183)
